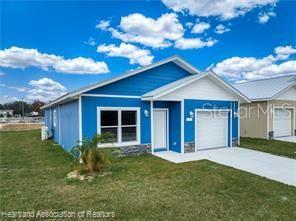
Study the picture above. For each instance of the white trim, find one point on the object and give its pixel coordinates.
(211, 110)
(293, 109)
(109, 95)
(230, 135)
(177, 60)
(151, 129)
(182, 127)
(167, 125)
(59, 124)
(80, 119)
(119, 126)
(268, 118)
(238, 122)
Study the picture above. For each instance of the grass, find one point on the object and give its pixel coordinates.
(276, 147)
(140, 188)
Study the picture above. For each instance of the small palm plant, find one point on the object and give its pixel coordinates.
(87, 153)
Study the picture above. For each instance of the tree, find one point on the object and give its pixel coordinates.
(16, 106)
(36, 105)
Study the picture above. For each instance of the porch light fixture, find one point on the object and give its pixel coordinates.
(146, 113)
(191, 114)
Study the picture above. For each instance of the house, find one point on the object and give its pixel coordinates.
(271, 114)
(169, 105)
(6, 113)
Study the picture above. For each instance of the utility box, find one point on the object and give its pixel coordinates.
(44, 133)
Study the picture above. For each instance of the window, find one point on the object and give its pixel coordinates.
(54, 118)
(109, 123)
(121, 122)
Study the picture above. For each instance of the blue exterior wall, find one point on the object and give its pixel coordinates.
(69, 125)
(144, 82)
(174, 122)
(48, 119)
(191, 105)
(66, 131)
(89, 114)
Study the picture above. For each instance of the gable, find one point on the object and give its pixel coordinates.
(143, 82)
(202, 89)
(290, 94)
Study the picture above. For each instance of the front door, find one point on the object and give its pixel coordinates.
(160, 129)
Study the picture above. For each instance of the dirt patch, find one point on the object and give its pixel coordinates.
(20, 126)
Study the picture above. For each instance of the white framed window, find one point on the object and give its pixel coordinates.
(122, 122)
(54, 118)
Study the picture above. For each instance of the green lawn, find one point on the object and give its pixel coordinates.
(140, 188)
(276, 147)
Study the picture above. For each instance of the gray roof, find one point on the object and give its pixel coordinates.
(266, 89)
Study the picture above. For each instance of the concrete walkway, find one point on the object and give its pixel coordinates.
(287, 139)
(273, 167)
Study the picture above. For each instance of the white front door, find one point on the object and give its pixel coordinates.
(211, 129)
(282, 122)
(160, 129)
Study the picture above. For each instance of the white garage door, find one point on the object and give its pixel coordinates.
(211, 129)
(282, 122)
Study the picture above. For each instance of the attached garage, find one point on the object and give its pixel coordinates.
(211, 129)
(282, 122)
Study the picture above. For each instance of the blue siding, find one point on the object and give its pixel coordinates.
(191, 105)
(89, 114)
(69, 125)
(48, 119)
(174, 122)
(144, 82)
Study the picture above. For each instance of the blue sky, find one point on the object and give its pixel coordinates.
(50, 47)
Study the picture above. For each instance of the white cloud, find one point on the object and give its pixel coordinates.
(103, 25)
(220, 29)
(2, 74)
(132, 52)
(264, 17)
(155, 33)
(2, 85)
(283, 53)
(225, 9)
(19, 89)
(16, 57)
(189, 24)
(193, 43)
(81, 65)
(91, 41)
(251, 68)
(199, 28)
(7, 99)
(45, 89)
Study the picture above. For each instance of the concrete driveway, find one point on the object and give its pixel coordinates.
(287, 139)
(273, 167)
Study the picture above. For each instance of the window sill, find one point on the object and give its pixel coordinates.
(125, 144)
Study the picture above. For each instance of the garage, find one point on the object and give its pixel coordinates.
(211, 129)
(282, 122)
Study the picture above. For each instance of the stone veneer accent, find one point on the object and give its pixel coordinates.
(189, 147)
(235, 142)
(132, 150)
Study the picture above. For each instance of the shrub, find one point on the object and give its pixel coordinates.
(94, 160)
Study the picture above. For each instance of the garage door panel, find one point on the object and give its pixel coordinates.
(282, 122)
(211, 129)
